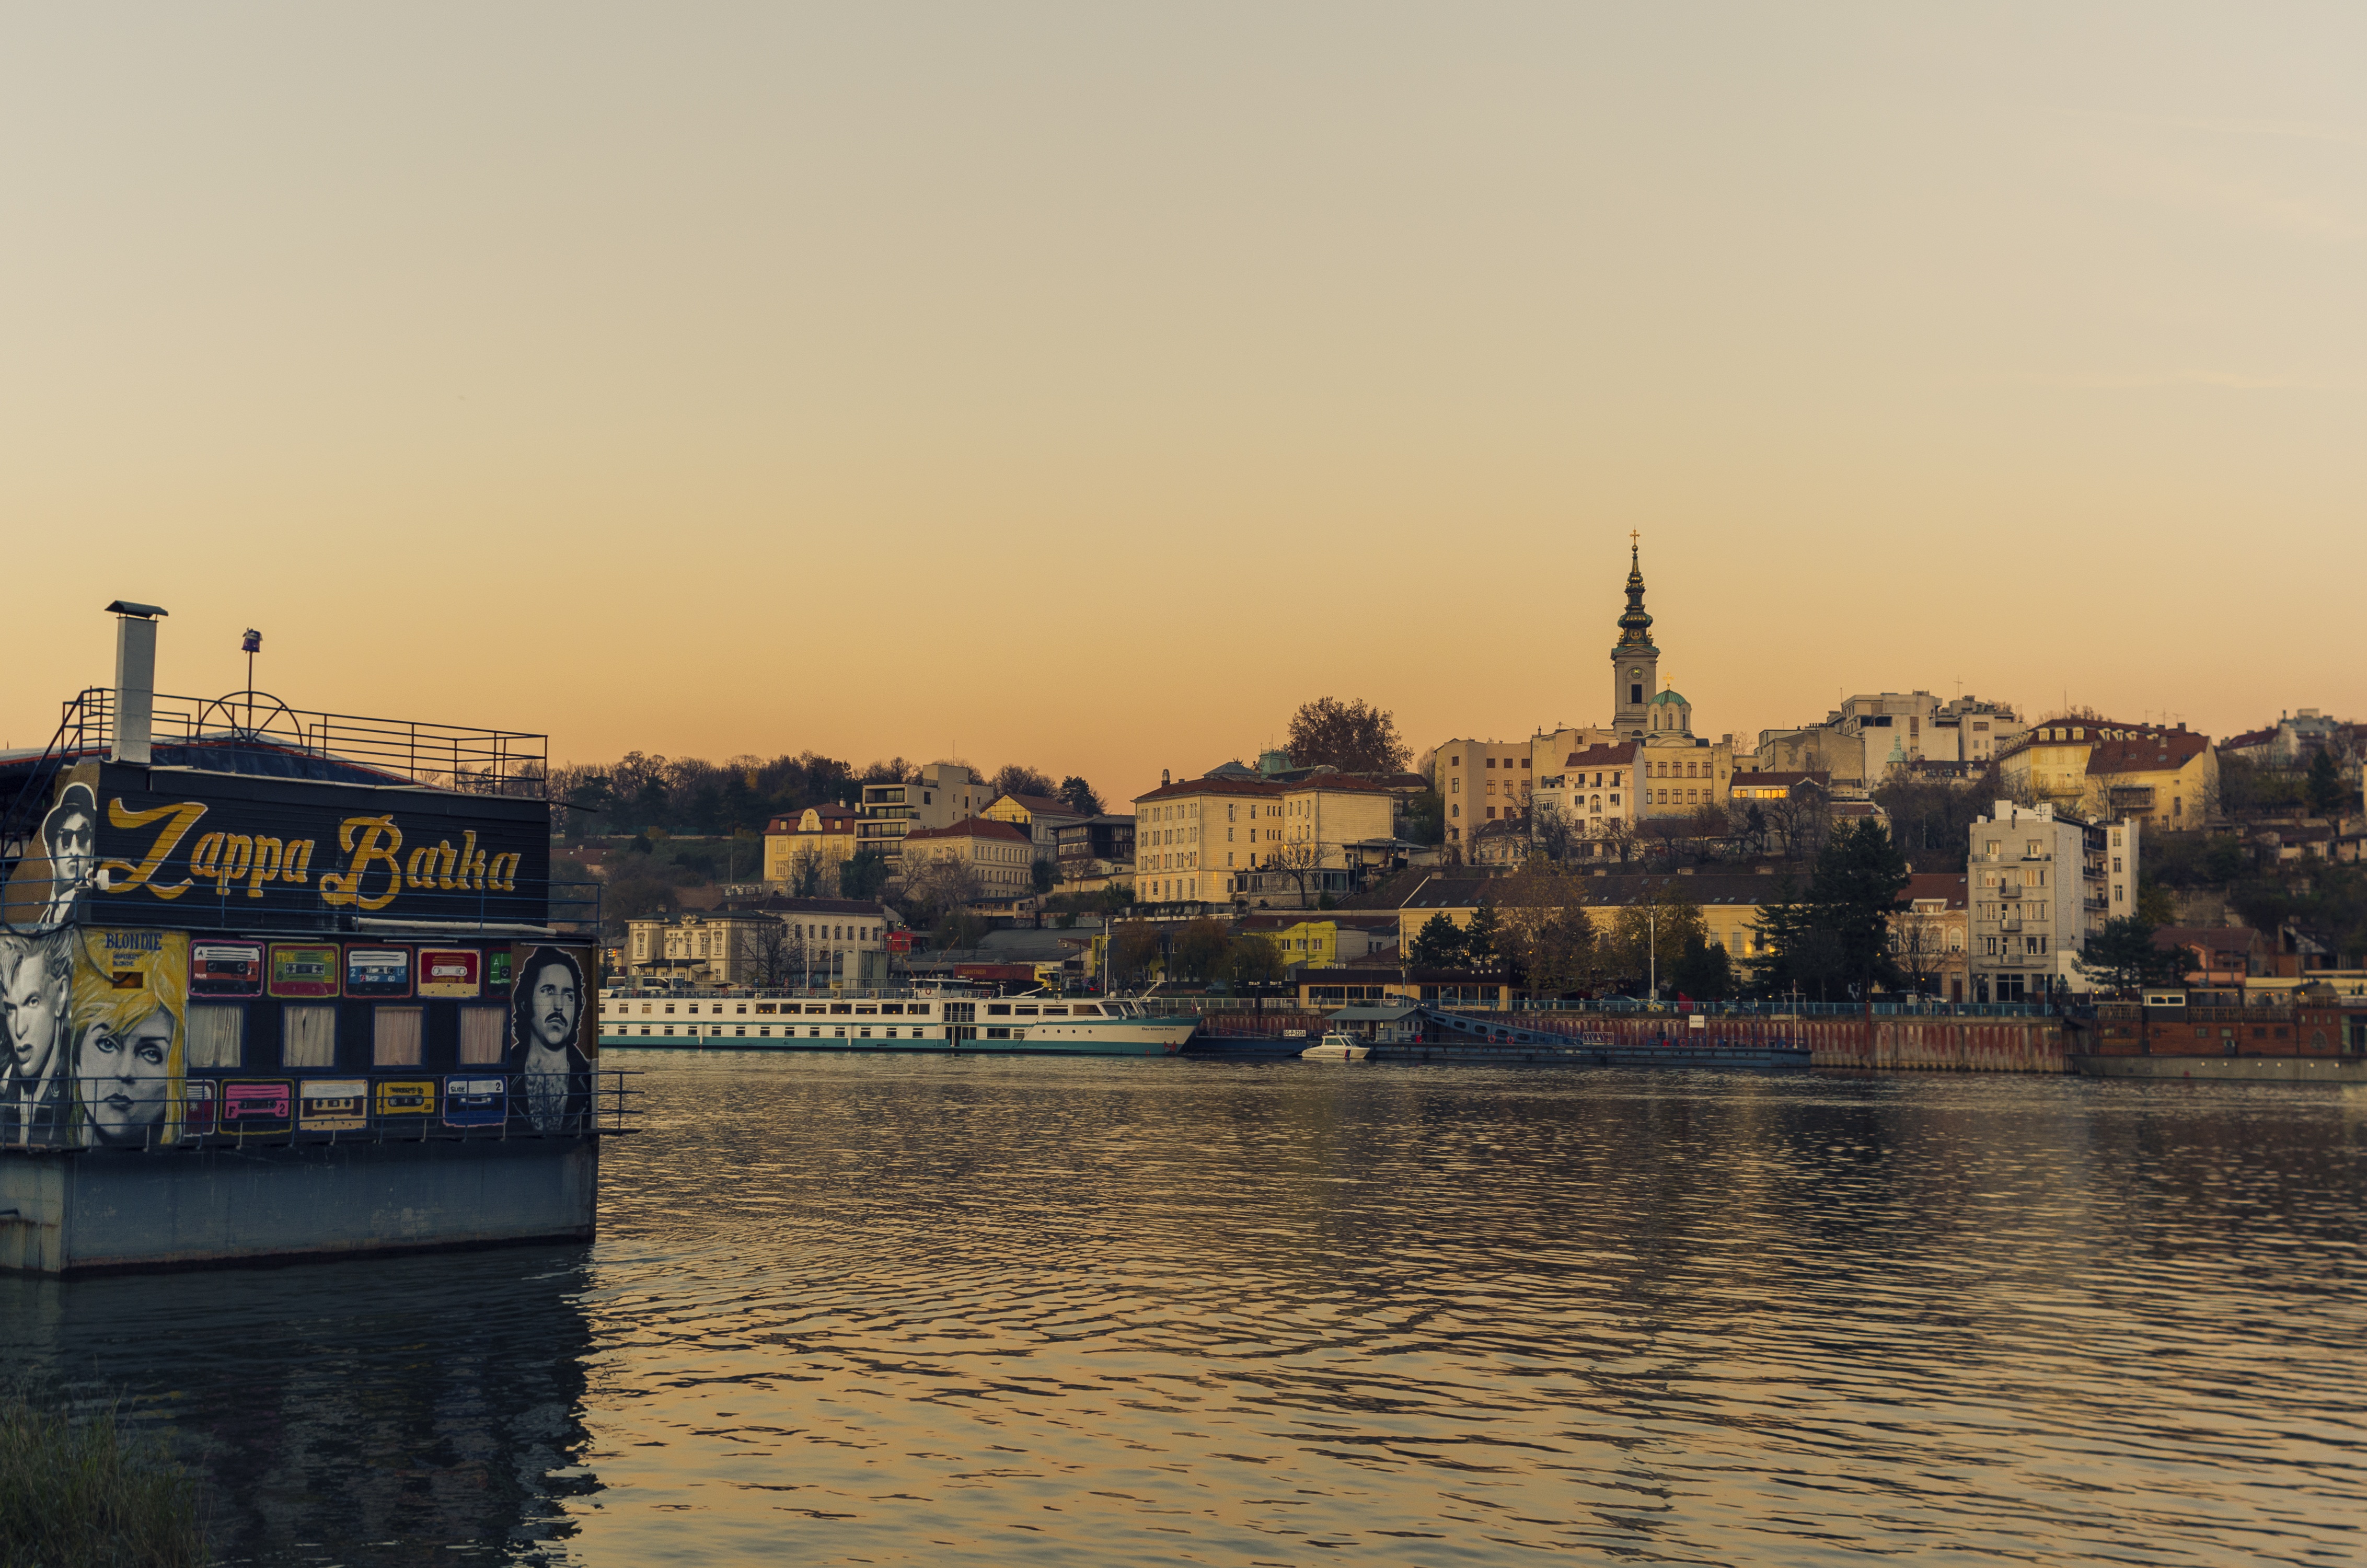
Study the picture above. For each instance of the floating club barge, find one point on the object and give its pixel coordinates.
(284, 984)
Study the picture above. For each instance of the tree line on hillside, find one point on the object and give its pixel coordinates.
(689, 796)
(1830, 938)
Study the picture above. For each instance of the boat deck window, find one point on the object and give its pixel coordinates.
(1026, 1012)
(998, 1010)
(837, 1007)
(917, 1009)
(891, 1008)
(1056, 1012)
(763, 1006)
(870, 1007)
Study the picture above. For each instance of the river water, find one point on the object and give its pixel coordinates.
(922, 1311)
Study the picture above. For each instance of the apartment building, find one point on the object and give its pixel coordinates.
(1861, 739)
(782, 941)
(1041, 817)
(1484, 781)
(1226, 836)
(825, 833)
(1931, 937)
(2166, 778)
(1596, 791)
(944, 793)
(1094, 852)
(999, 854)
(2042, 881)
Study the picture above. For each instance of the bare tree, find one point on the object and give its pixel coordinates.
(1800, 820)
(940, 885)
(1618, 837)
(1017, 778)
(1668, 836)
(767, 952)
(1297, 859)
(1712, 830)
(810, 873)
(1919, 944)
(1553, 832)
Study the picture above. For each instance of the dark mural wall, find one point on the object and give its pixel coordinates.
(127, 844)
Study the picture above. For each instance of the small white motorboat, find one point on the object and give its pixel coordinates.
(1336, 1048)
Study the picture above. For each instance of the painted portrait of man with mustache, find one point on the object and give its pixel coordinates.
(553, 1078)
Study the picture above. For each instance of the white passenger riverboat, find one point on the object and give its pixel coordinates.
(919, 1019)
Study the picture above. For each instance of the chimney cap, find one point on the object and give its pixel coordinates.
(143, 612)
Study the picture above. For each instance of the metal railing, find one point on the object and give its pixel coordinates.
(449, 1105)
(316, 744)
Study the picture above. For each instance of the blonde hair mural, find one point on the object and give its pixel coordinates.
(129, 1037)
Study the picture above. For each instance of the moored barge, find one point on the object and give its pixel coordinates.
(283, 983)
(921, 1019)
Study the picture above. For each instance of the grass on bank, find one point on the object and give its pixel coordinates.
(89, 1494)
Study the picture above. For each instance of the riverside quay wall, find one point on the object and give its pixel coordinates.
(1927, 1045)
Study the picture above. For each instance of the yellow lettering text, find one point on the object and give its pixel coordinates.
(371, 841)
(123, 875)
(297, 867)
(268, 854)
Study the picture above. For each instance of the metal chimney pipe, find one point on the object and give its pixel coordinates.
(135, 678)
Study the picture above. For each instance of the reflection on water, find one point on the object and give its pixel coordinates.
(356, 1412)
(925, 1310)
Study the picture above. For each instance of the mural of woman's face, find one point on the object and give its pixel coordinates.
(34, 1000)
(552, 1007)
(123, 1076)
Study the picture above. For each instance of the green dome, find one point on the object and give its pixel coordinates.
(1671, 697)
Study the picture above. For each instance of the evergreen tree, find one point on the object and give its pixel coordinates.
(2327, 794)
(2122, 955)
(1438, 945)
(1701, 971)
(1860, 874)
(1479, 949)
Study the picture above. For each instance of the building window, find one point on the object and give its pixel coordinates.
(307, 1036)
(216, 1035)
(398, 1033)
(480, 1035)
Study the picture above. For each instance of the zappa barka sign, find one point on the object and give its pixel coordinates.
(175, 846)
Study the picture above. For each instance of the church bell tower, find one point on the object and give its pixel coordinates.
(1635, 662)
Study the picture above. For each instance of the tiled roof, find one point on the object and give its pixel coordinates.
(1043, 806)
(2247, 739)
(1947, 885)
(1257, 787)
(787, 822)
(2169, 748)
(1600, 755)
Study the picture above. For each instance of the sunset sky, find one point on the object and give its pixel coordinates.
(1087, 385)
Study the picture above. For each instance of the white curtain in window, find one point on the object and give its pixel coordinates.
(215, 1036)
(307, 1036)
(399, 1034)
(480, 1035)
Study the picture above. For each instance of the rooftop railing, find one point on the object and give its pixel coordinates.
(251, 731)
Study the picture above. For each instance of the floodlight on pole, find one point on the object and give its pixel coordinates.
(250, 643)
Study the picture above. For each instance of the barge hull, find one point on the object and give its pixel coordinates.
(84, 1213)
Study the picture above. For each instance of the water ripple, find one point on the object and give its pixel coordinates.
(927, 1312)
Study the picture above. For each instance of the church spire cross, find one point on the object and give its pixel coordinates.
(1635, 626)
